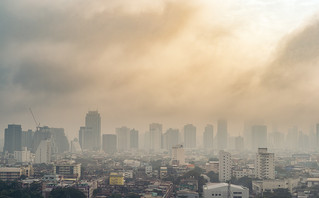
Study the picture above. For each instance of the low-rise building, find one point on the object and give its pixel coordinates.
(220, 190)
(116, 179)
(270, 185)
(68, 169)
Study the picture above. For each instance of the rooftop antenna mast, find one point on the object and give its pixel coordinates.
(37, 124)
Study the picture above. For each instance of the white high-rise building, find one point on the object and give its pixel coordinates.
(264, 164)
(23, 156)
(178, 155)
(43, 153)
(225, 166)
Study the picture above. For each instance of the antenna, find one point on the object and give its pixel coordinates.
(37, 124)
(228, 191)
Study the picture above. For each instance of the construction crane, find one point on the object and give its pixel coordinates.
(37, 124)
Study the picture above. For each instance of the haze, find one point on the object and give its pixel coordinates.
(172, 62)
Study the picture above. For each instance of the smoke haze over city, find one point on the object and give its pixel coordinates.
(172, 62)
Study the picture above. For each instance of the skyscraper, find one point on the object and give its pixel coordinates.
(86, 139)
(155, 137)
(12, 138)
(225, 166)
(189, 136)
(43, 152)
(208, 137)
(170, 138)
(264, 164)
(42, 133)
(133, 139)
(222, 134)
(123, 138)
(27, 139)
(109, 143)
(61, 143)
(93, 121)
(259, 136)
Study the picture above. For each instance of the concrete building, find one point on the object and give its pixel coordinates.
(271, 185)
(264, 164)
(208, 137)
(155, 137)
(61, 143)
(27, 139)
(220, 190)
(14, 173)
(259, 136)
(225, 166)
(222, 134)
(12, 138)
(187, 194)
(123, 138)
(109, 143)
(116, 179)
(23, 156)
(75, 146)
(189, 136)
(212, 166)
(43, 152)
(170, 138)
(68, 169)
(93, 121)
(134, 139)
(42, 133)
(86, 139)
(178, 155)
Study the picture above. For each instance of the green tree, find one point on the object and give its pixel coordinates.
(68, 192)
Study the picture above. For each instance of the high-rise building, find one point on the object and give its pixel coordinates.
(93, 121)
(12, 138)
(133, 139)
(222, 134)
(170, 138)
(259, 136)
(27, 139)
(155, 137)
(43, 152)
(225, 166)
(23, 156)
(208, 137)
(75, 146)
(109, 143)
(239, 143)
(86, 138)
(264, 164)
(123, 138)
(292, 138)
(189, 136)
(61, 143)
(42, 133)
(178, 155)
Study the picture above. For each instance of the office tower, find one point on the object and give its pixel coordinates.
(27, 139)
(42, 133)
(123, 138)
(61, 143)
(276, 140)
(189, 136)
(133, 139)
(86, 139)
(208, 137)
(12, 138)
(292, 138)
(259, 136)
(170, 138)
(93, 121)
(109, 143)
(222, 134)
(75, 146)
(239, 143)
(178, 155)
(264, 164)
(43, 152)
(155, 137)
(147, 142)
(225, 166)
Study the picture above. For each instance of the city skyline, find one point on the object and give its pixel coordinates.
(160, 61)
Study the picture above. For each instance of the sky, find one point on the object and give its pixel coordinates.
(168, 61)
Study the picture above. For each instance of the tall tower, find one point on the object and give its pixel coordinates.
(190, 136)
(170, 138)
(123, 138)
(222, 134)
(264, 164)
(208, 137)
(109, 143)
(259, 136)
(93, 121)
(155, 137)
(225, 166)
(134, 139)
(86, 139)
(12, 138)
